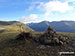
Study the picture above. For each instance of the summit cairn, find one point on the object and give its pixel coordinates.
(50, 37)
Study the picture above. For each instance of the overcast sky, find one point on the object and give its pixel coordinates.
(37, 10)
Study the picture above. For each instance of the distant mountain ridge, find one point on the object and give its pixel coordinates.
(13, 26)
(59, 26)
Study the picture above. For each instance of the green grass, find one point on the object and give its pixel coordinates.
(11, 47)
(14, 26)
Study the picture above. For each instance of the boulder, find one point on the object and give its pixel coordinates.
(24, 36)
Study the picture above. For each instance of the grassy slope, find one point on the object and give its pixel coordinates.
(12, 26)
(11, 47)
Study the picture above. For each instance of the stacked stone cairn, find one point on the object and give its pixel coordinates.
(50, 37)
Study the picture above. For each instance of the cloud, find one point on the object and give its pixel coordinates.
(65, 0)
(31, 8)
(61, 7)
(30, 18)
(55, 6)
(70, 0)
(32, 5)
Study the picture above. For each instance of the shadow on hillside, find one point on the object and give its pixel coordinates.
(1, 31)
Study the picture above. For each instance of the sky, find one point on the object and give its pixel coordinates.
(37, 10)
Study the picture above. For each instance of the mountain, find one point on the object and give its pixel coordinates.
(59, 26)
(12, 26)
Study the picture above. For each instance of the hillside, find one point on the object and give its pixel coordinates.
(11, 47)
(59, 26)
(12, 26)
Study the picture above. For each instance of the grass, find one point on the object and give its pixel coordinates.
(11, 47)
(13, 26)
